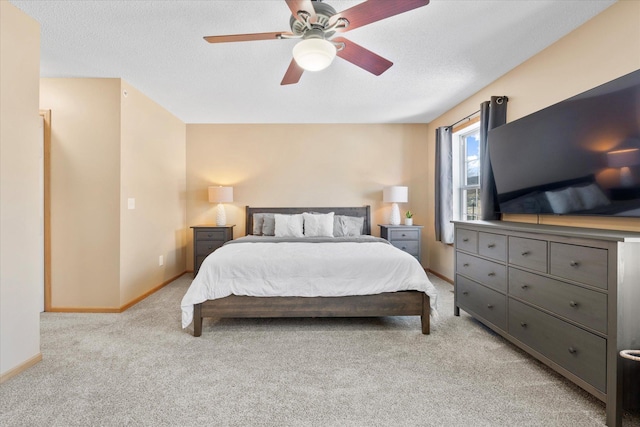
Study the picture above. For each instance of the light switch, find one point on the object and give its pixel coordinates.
(131, 203)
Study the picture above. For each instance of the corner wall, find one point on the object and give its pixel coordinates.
(604, 48)
(21, 224)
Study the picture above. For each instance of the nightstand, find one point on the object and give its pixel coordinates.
(405, 237)
(206, 239)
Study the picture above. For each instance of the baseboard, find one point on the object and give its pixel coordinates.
(435, 273)
(21, 368)
(114, 309)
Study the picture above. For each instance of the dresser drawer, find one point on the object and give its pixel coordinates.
(210, 235)
(486, 272)
(467, 240)
(404, 234)
(492, 246)
(580, 263)
(528, 253)
(482, 301)
(578, 351)
(206, 247)
(411, 247)
(585, 306)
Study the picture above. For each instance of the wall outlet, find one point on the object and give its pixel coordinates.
(160, 260)
(131, 203)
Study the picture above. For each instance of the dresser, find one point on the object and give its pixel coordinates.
(206, 239)
(405, 237)
(568, 296)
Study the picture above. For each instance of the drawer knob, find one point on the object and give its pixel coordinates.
(404, 248)
(404, 235)
(209, 235)
(524, 286)
(466, 264)
(210, 247)
(489, 306)
(572, 350)
(465, 293)
(491, 274)
(573, 304)
(523, 324)
(491, 245)
(525, 253)
(574, 263)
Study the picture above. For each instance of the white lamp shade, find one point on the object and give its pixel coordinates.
(314, 54)
(622, 158)
(220, 194)
(395, 194)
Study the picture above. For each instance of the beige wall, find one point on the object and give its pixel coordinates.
(21, 243)
(301, 165)
(152, 171)
(604, 48)
(85, 191)
(106, 148)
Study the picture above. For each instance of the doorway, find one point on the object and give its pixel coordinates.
(45, 207)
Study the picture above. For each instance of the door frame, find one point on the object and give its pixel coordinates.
(46, 150)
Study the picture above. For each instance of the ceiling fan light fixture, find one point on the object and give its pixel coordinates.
(314, 54)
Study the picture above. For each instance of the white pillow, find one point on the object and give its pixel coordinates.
(318, 225)
(564, 201)
(592, 196)
(288, 225)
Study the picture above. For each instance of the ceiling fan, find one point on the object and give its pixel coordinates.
(317, 24)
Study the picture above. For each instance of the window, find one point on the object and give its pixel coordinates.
(466, 172)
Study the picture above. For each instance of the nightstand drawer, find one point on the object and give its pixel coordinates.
(488, 273)
(411, 247)
(206, 247)
(579, 263)
(578, 351)
(210, 235)
(585, 306)
(482, 301)
(404, 234)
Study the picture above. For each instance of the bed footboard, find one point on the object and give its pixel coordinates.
(404, 303)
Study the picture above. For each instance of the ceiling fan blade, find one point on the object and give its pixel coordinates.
(374, 10)
(305, 5)
(362, 57)
(247, 37)
(293, 74)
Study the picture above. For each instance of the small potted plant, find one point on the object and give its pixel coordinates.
(408, 220)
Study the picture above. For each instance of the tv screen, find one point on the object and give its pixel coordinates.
(580, 156)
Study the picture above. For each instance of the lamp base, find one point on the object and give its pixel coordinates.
(394, 219)
(221, 216)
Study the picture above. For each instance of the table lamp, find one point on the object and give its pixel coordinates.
(220, 195)
(395, 194)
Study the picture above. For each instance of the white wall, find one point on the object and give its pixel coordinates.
(21, 225)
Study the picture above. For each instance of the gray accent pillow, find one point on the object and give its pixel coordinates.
(258, 222)
(347, 226)
(269, 225)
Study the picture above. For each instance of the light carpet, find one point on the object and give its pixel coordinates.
(140, 368)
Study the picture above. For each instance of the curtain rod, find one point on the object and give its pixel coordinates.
(464, 118)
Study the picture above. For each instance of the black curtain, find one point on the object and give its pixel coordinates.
(493, 113)
(444, 186)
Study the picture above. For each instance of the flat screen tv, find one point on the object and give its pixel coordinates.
(580, 156)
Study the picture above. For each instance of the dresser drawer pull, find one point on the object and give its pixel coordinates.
(489, 306)
(572, 350)
(465, 293)
(210, 247)
(525, 253)
(524, 286)
(466, 239)
(573, 304)
(523, 324)
(466, 264)
(491, 274)
(404, 235)
(574, 263)
(209, 235)
(404, 248)
(491, 245)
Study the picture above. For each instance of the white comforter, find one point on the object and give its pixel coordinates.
(306, 269)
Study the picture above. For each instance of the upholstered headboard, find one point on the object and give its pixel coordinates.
(360, 211)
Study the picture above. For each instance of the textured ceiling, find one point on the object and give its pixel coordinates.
(442, 53)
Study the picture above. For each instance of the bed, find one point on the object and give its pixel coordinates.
(272, 277)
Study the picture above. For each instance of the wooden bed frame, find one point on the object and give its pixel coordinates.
(403, 303)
